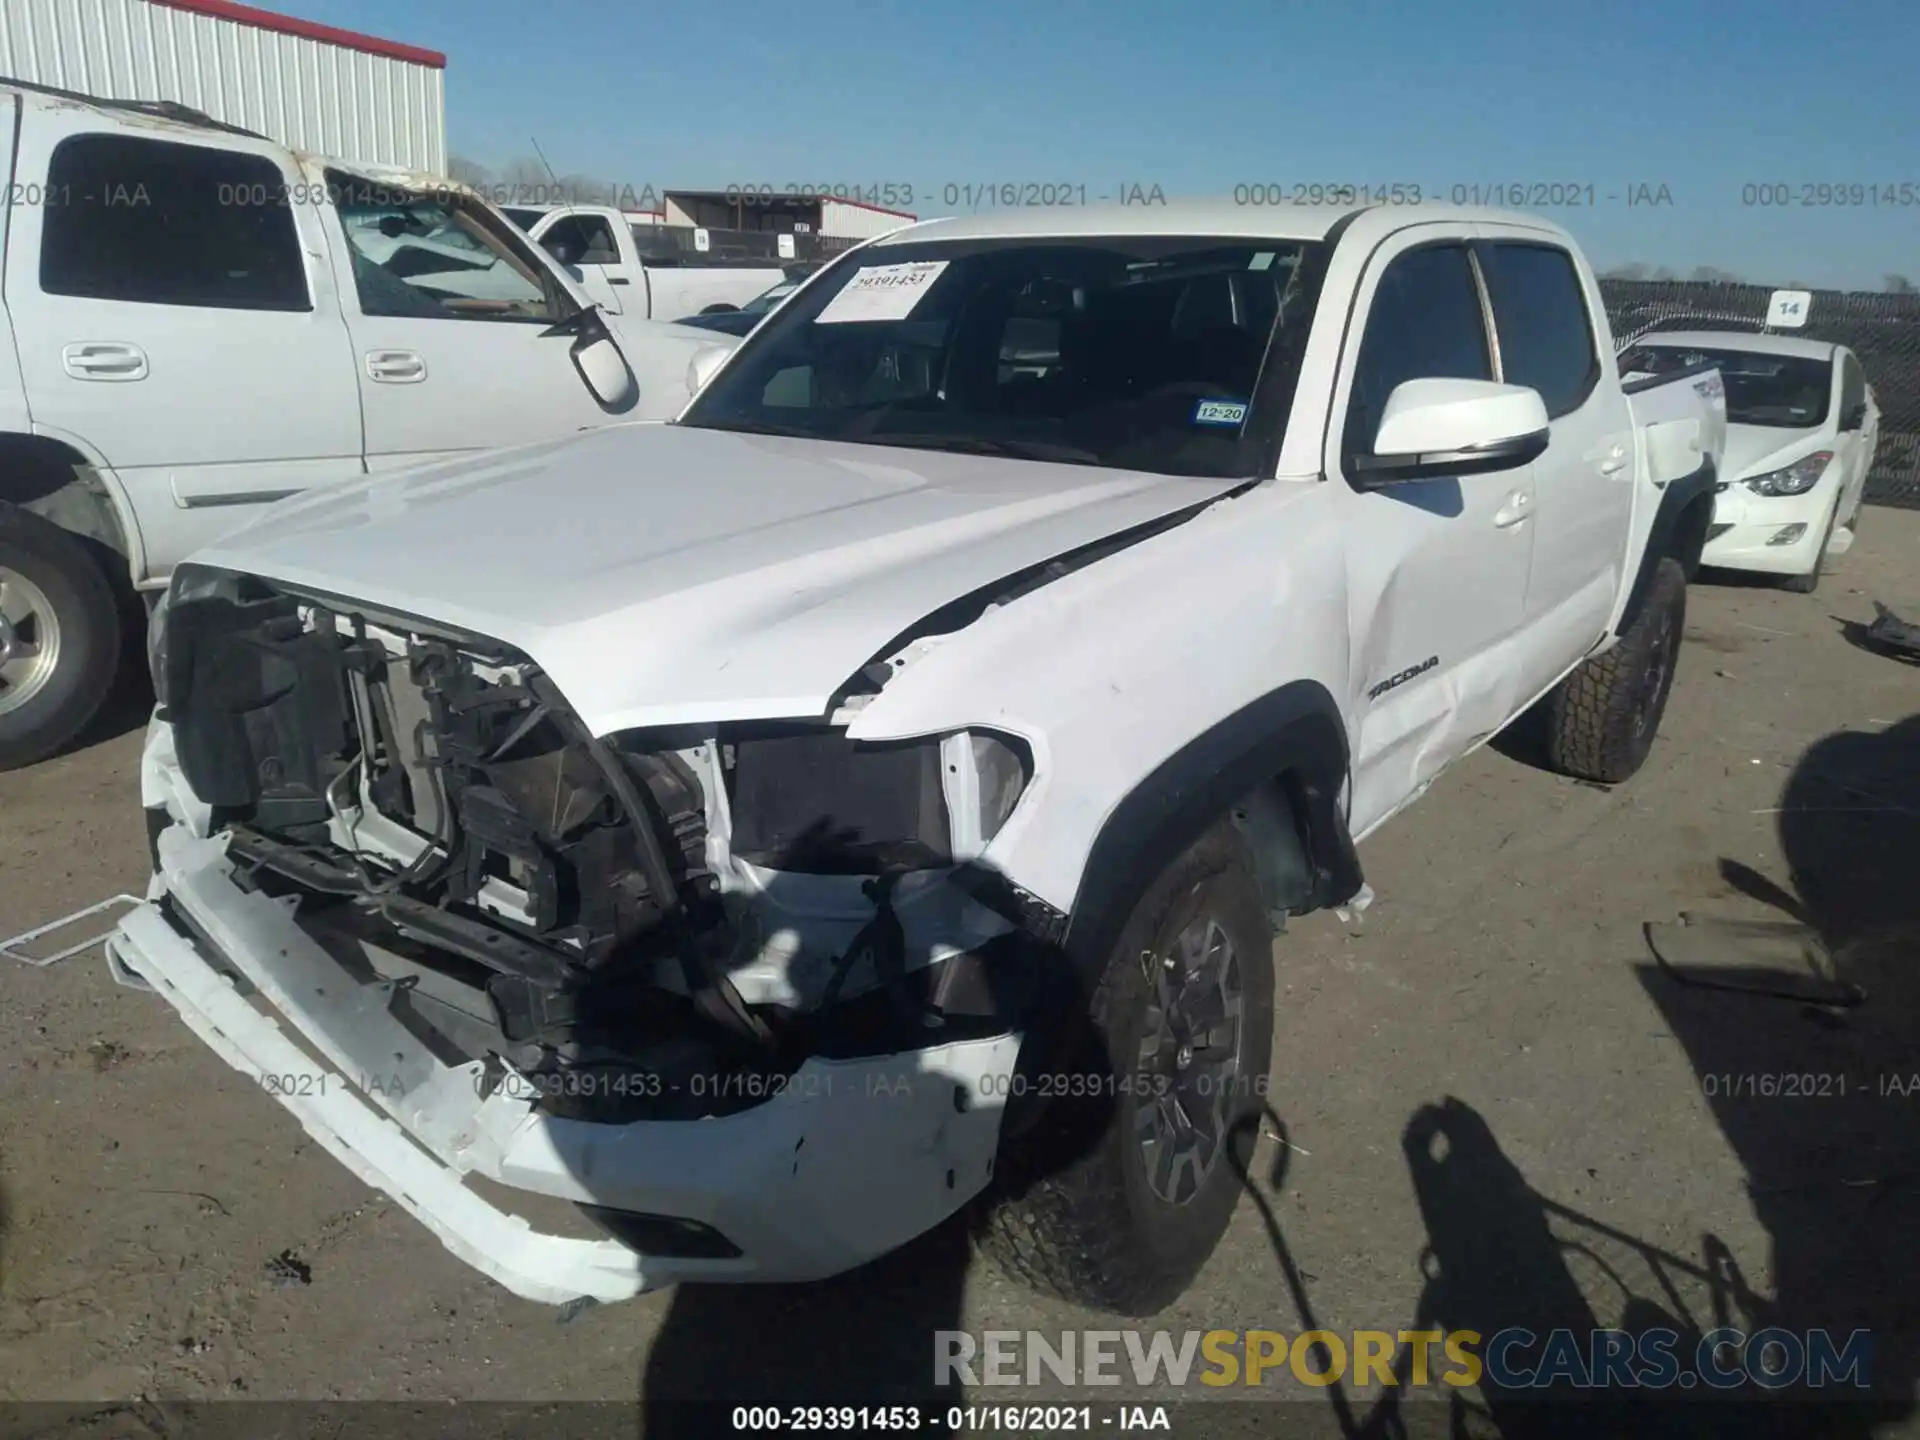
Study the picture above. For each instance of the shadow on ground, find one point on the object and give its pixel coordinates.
(1821, 1102)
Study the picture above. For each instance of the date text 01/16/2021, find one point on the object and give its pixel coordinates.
(1499, 194)
(1806, 1085)
(967, 195)
(955, 1420)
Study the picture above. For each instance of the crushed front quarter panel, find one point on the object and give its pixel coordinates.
(1110, 670)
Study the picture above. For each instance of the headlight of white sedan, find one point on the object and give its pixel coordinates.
(1794, 479)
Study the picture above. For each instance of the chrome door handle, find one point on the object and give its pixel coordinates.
(1518, 505)
(104, 360)
(395, 367)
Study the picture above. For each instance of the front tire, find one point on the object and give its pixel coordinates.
(1808, 583)
(1602, 719)
(1118, 1194)
(60, 638)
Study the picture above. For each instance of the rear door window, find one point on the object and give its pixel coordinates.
(1540, 315)
(152, 222)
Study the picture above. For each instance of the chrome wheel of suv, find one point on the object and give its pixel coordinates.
(29, 640)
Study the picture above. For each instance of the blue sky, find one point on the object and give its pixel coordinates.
(1703, 98)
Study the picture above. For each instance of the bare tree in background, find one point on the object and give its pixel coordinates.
(1632, 270)
(526, 181)
(1665, 272)
(468, 172)
(1899, 285)
(1712, 275)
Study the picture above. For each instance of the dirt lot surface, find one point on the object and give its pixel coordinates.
(1491, 1106)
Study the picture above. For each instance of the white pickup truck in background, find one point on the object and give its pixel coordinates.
(625, 267)
(200, 322)
(1146, 562)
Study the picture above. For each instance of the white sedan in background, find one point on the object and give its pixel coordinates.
(1802, 424)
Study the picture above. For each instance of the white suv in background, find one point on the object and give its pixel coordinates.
(1802, 424)
(198, 322)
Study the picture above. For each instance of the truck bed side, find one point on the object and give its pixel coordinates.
(1680, 434)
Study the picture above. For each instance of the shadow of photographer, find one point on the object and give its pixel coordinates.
(1811, 1065)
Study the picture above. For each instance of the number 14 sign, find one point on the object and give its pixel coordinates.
(1787, 309)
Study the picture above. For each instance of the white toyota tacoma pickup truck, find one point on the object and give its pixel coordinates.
(198, 321)
(723, 850)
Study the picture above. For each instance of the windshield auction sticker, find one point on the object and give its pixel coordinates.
(881, 292)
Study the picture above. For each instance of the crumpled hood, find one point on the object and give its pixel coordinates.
(665, 575)
(1756, 449)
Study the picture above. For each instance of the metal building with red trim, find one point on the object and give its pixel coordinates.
(313, 87)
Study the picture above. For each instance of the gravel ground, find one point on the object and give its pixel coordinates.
(166, 1232)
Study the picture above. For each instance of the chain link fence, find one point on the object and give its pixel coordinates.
(1882, 329)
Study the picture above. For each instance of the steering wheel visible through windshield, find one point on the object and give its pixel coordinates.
(1133, 352)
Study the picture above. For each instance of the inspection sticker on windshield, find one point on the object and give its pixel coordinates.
(1219, 412)
(882, 292)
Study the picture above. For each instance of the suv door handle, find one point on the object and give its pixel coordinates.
(395, 367)
(104, 360)
(1610, 461)
(618, 280)
(1518, 505)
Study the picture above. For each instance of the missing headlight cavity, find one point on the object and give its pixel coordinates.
(814, 802)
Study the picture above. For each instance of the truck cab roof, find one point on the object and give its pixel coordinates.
(1210, 217)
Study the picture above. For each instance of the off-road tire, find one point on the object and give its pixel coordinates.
(1602, 719)
(1072, 1212)
(1808, 583)
(90, 637)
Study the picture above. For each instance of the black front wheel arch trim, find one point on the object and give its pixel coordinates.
(1293, 735)
(1679, 531)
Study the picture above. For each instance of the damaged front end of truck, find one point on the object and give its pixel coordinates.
(739, 995)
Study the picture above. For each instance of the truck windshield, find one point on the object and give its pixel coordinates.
(1788, 392)
(440, 256)
(1132, 352)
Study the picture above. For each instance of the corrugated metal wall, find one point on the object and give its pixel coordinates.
(306, 93)
(840, 220)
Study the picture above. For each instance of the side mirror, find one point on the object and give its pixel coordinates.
(1855, 418)
(597, 359)
(706, 362)
(1434, 428)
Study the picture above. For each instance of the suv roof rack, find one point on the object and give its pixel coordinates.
(160, 109)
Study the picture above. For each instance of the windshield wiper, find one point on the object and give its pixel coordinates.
(985, 445)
